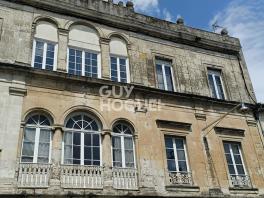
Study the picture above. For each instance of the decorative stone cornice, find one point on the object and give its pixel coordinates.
(252, 123)
(125, 18)
(229, 131)
(17, 91)
(172, 125)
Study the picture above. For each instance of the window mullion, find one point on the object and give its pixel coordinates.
(175, 154)
(164, 77)
(83, 63)
(44, 56)
(36, 147)
(233, 159)
(242, 160)
(215, 87)
(123, 152)
(186, 156)
(118, 69)
(82, 148)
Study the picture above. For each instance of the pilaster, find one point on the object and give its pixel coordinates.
(105, 63)
(62, 50)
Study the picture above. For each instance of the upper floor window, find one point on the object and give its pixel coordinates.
(234, 158)
(123, 146)
(215, 84)
(37, 140)
(45, 46)
(84, 58)
(176, 154)
(82, 142)
(165, 77)
(119, 64)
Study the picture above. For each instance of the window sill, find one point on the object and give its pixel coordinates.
(240, 190)
(182, 188)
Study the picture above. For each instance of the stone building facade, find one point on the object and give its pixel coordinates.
(97, 100)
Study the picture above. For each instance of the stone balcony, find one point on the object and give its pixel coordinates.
(240, 181)
(180, 178)
(75, 176)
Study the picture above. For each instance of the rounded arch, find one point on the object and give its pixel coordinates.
(125, 121)
(47, 19)
(40, 111)
(70, 24)
(120, 36)
(46, 28)
(87, 110)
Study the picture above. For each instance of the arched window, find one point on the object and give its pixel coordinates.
(123, 146)
(36, 146)
(119, 60)
(84, 57)
(45, 46)
(82, 141)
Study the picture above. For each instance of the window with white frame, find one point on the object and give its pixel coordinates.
(119, 69)
(84, 52)
(83, 63)
(234, 159)
(216, 84)
(165, 77)
(36, 147)
(176, 154)
(123, 146)
(45, 46)
(82, 141)
(44, 55)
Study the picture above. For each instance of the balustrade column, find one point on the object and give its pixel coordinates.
(56, 155)
(107, 158)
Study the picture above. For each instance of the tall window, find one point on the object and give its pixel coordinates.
(215, 84)
(164, 75)
(84, 52)
(234, 159)
(45, 47)
(36, 146)
(119, 67)
(123, 146)
(176, 154)
(82, 141)
(83, 63)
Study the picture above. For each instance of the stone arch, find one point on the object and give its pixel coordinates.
(126, 121)
(42, 111)
(85, 109)
(120, 36)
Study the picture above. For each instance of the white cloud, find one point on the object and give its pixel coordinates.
(244, 19)
(167, 15)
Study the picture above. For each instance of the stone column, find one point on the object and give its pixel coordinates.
(62, 50)
(56, 157)
(105, 57)
(107, 158)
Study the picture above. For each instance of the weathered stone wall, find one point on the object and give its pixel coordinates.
(189, 63)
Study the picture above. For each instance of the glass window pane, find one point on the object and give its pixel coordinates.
(76, 138)
(44, 160)
(116, 142)
(182, 166)
(219, 87)
(96, 153)
(212, 86)
(240, 169)
(68, 138)
(128, 141)
(235, 148)
(43, 149)
(226, 148)
(229, 159)
(27, 159)
(67, 151)
(87, 139)
(44, 135)
(29, 134)
(231, 170)
(170, 154)
(117, 156)
(76, 152)
(129, 155)
(181, 154)
(96, 140)
(168, 142)
(171, 165)
(74, 161)
(160, 77)
(88, 153)
(179, 143)
(169, 78)
(237, 159)
(28, 149)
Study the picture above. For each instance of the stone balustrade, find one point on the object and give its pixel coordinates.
(125, 178)
(180, 178)
(240, 181)
(76, 176)
(33, 175)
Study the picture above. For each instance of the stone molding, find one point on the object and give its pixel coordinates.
(229, 131)
(173, 126)
(200, 116)
(16, 91)
(252, 123)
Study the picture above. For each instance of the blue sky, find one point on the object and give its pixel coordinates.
(244, 19)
